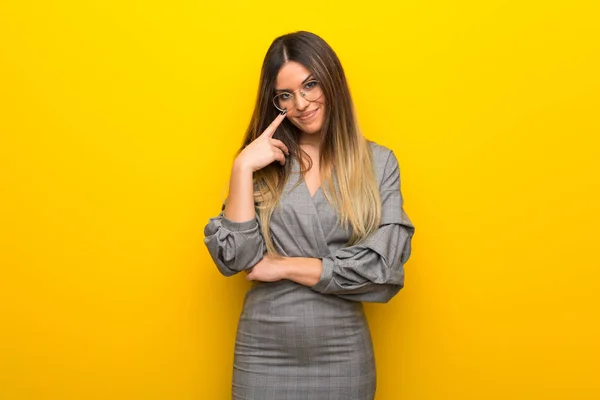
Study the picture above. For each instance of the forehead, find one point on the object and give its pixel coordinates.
(291, 75)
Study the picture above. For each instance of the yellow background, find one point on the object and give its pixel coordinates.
(118, 125)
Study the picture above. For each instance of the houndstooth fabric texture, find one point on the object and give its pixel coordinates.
(296, 342)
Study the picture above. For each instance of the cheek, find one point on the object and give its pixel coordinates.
(322, 112)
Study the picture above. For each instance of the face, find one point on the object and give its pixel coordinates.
(307, 115)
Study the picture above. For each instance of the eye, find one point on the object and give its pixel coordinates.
(311, 85)
(285, 96)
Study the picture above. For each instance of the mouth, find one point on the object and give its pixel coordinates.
(307, 115)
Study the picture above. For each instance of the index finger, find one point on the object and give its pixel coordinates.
(273, 126)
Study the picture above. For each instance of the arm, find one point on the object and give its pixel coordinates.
(239, 206)
(371, 271)
(234, 241)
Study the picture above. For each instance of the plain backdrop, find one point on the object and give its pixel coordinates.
(119, 121)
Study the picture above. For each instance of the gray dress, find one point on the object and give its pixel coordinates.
(296, 342)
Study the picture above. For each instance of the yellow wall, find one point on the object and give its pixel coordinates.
(118, 124)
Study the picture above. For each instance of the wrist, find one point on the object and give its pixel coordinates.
(306, 271)
(286, 267)
(241, 165)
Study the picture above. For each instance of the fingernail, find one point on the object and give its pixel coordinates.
(283, 112)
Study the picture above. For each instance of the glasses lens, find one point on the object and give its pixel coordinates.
(312, 90)
(284, 101)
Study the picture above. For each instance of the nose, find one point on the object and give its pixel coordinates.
(300, 101)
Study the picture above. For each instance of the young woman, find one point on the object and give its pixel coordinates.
(314, 217)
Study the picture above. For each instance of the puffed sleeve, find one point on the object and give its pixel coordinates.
(373, 271)
(234, 246)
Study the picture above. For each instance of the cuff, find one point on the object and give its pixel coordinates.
(238, 226)
(326, 275)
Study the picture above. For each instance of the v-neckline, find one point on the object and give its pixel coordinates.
(308, 190)
(304, 184)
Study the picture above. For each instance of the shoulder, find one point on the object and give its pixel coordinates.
(384, 160)
(379, 150)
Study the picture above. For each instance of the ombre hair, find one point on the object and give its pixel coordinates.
(345, 153)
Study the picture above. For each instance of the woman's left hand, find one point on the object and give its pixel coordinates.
(269, 269)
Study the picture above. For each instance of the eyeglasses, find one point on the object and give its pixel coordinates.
(311, 91)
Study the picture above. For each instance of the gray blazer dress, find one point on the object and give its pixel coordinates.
(296, 342)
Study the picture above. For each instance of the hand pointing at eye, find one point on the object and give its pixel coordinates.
(264, 149)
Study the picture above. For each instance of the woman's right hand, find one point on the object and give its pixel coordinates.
(264, 149)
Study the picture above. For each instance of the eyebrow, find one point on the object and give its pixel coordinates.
(290, 90)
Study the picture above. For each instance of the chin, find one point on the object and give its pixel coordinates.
(312, 131)
(310, 128)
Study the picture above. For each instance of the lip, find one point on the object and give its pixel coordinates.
(308, 115)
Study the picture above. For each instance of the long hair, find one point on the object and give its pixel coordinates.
(345, 153)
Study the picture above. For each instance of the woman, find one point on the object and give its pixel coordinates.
(314, 217)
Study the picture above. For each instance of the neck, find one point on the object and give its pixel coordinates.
(310, 140)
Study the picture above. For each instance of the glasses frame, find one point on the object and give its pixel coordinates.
(303, 94)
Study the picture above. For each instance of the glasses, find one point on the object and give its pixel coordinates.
(311, 91)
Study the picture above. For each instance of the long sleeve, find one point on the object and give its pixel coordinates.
(373, 271)
(234, 246)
